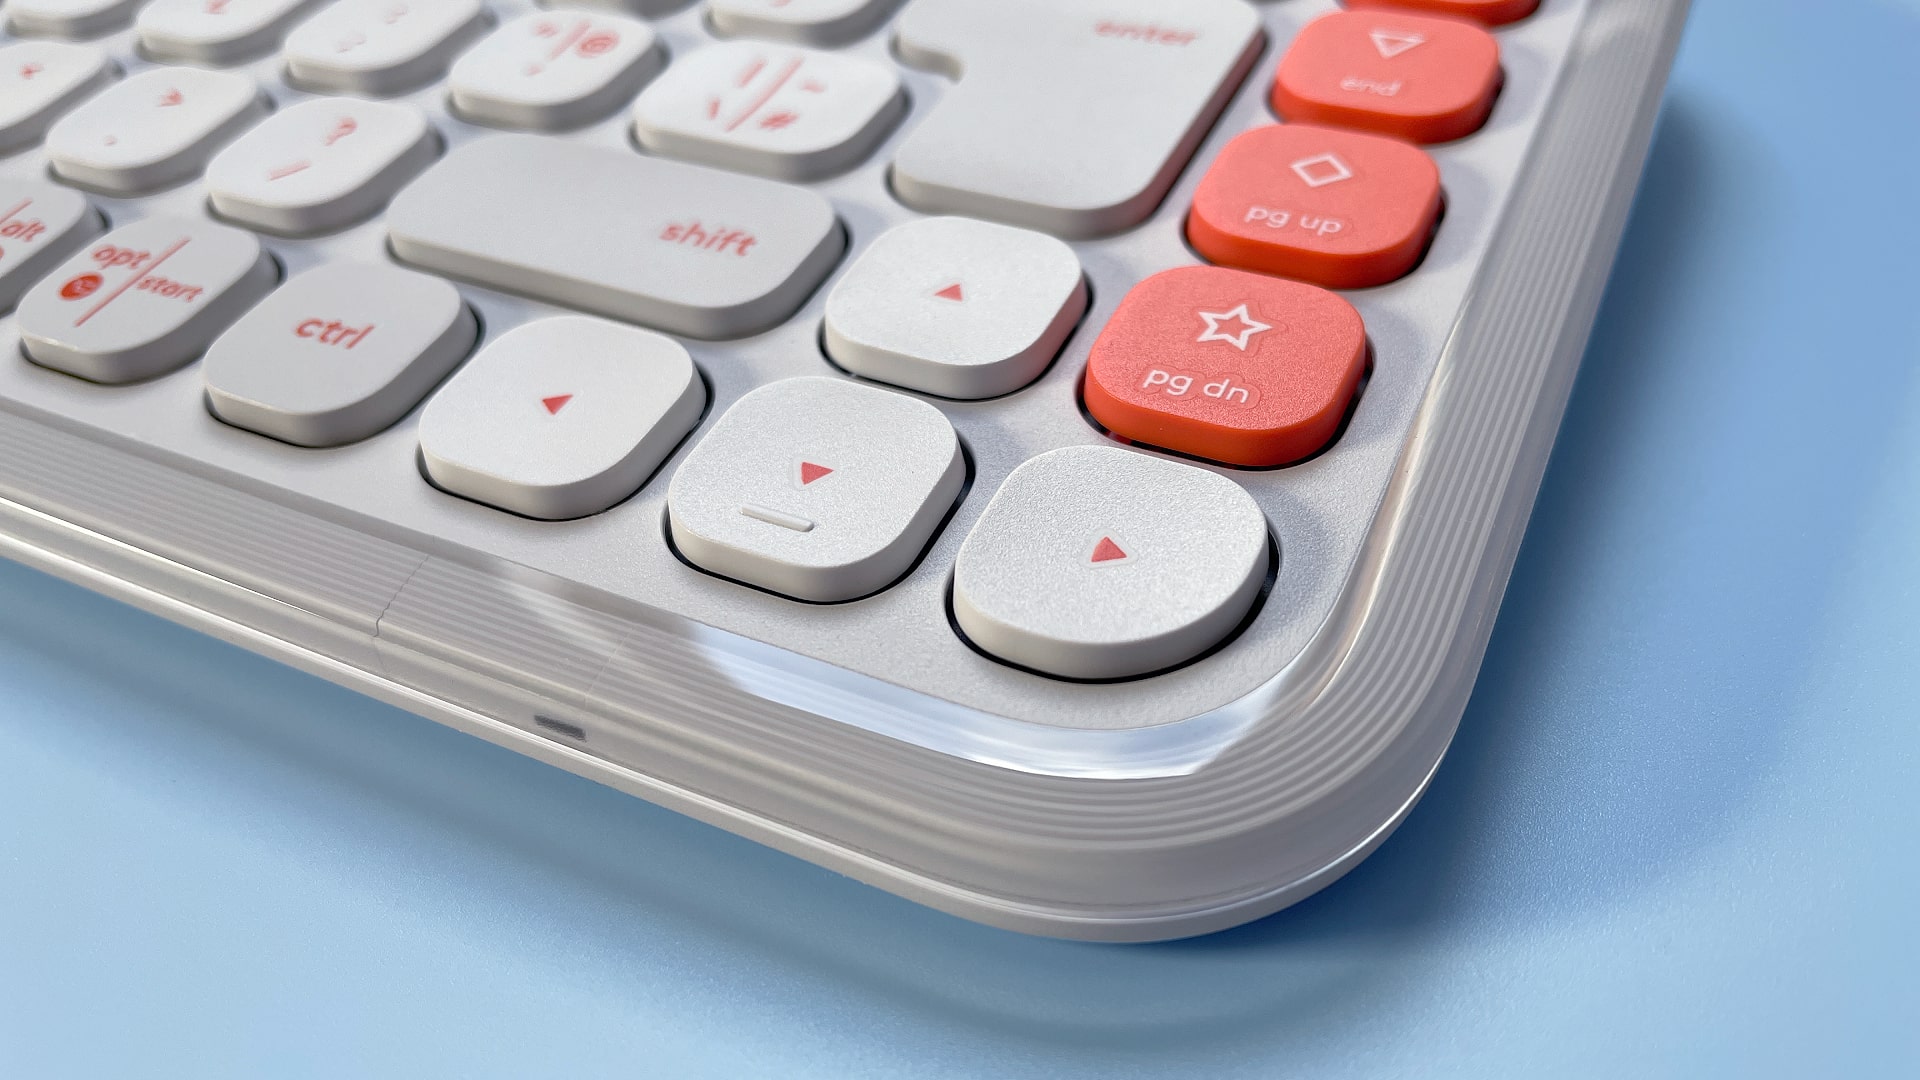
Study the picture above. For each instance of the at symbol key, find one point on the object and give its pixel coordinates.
(1338, 208)
(1424, 79)
(1229, 366)
(144, 299)
(554, 70)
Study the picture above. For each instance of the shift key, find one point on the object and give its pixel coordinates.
(678, 247)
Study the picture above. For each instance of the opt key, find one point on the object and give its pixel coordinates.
(1225, 365)
(1338, 208)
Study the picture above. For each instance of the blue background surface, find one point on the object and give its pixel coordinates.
(1676, 836)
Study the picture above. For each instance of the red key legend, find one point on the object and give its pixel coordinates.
(1233, 367)
(1338, 208)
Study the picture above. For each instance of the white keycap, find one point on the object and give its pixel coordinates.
(338, 353)
(803, 22)
(1094, 562)
(561, 418)
(40, 225)
(646, 8)
(144, 299)
(815, 488)
(215, 31)
(956, 306)
(39, 80)
(69, 18)
(679, 247)
(1073, 117)
(381, 46)
(794, 114)
(553, 71)
(322, 164)
(154, 129)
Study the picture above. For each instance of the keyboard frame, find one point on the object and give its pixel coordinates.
(1218, 796)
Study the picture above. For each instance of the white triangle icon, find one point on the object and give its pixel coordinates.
(1392, 43)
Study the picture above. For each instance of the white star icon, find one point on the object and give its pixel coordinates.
(1249, 326)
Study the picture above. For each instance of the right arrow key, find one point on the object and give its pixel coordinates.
(1094, 562)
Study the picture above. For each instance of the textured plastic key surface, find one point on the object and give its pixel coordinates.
(215, 31)
(144, 299)
(337, 353)
(1094, 563)
(1419, 78)
(69, 18)
(381, 46)
(40, 224)
(561, 418)
(872, 736)
(817, 489)
(1338, 208)
(803, 22)
(725, 255)
(554, 71)
(1227, 365)
(956, 307)
(155, 128)
(39, 80)
(795, 114)
(1074, 117)
(319, 165)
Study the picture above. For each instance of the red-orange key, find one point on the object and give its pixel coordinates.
(1420, 78)
(1491, 12)
(1228, 366)
(1342, 209)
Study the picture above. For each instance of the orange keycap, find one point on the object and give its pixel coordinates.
(1420, 78)
(1226, 365)
(1491, 12)
(1338, 208)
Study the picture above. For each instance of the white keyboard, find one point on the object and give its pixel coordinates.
(1057, 461)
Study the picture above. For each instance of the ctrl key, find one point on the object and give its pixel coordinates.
(144, 299)
(1094, 562)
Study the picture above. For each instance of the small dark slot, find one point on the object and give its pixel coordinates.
(571, 731)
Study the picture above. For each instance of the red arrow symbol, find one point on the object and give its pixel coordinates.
(951, 292)
(31, 70)
(555, 403)
(1106, 551)
(171, 97)
(809, 472)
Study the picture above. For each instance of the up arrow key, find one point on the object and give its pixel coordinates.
(555, 403)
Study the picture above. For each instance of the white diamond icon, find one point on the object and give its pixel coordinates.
(1392, 43)
(1322, 169)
